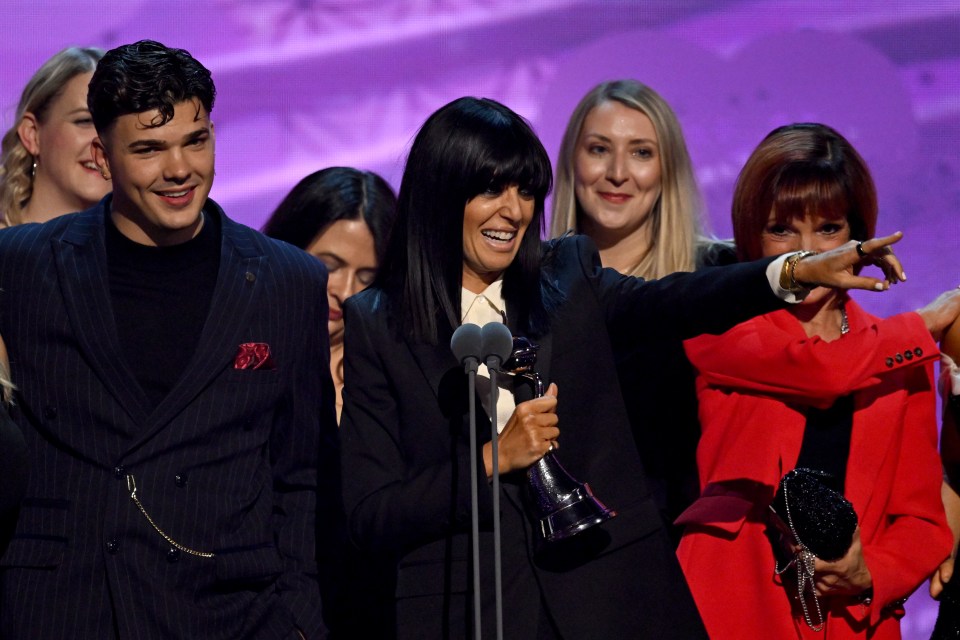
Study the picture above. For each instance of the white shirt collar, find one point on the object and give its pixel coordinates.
(482, 304)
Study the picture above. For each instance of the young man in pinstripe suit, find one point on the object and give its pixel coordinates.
(174, 392)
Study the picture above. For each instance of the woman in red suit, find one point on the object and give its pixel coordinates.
(822, 385)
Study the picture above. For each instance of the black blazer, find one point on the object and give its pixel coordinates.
(406, 458)
(661, 402)
(229, 462)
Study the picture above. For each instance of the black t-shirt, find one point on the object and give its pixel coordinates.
(826, 440)
(161, 298)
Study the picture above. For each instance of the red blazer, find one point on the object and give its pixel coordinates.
(753, 383)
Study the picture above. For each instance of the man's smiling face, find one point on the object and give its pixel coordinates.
(161, 175)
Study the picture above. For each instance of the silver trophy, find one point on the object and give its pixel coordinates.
(564, 506)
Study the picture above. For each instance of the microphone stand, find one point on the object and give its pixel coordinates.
(496, 346)
(465, 344)
(492, 364)
(495, 343)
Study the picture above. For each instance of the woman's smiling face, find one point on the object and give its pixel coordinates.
(494, 224)
(616, 169)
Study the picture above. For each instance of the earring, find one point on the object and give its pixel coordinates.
(33, 169)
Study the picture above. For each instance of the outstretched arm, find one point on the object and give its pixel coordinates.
(834, 268)
(772, 356)
(775, 357)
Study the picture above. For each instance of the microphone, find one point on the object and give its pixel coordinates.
(496, 345)
(496, 342)
(465, 344)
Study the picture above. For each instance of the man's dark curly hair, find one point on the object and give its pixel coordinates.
(144, 76)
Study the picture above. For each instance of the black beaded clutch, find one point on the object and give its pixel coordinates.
(818, 515)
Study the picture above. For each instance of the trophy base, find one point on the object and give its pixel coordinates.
(582, 512)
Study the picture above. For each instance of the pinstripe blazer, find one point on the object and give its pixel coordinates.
(229, 463)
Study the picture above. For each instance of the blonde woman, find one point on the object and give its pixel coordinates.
(46, 166)
(624, 178)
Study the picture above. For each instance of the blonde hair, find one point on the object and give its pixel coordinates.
(6, 386)
(676, 216)
(16, 163)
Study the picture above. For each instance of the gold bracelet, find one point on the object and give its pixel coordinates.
(788, 278)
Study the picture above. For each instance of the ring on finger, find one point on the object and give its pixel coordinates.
(860, 251)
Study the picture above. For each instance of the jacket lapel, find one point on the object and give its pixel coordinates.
(81, 262)
(434, 361)
(449, 384)
(869, 446)
(870, 438)
(239, 280)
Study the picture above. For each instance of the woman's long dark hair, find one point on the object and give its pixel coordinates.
(464, 149)
(329, 195)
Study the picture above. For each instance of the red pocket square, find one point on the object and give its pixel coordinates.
(254, 355)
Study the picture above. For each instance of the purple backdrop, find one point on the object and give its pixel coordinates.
(305, 84)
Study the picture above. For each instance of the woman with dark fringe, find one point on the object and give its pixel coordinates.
(466, 248)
